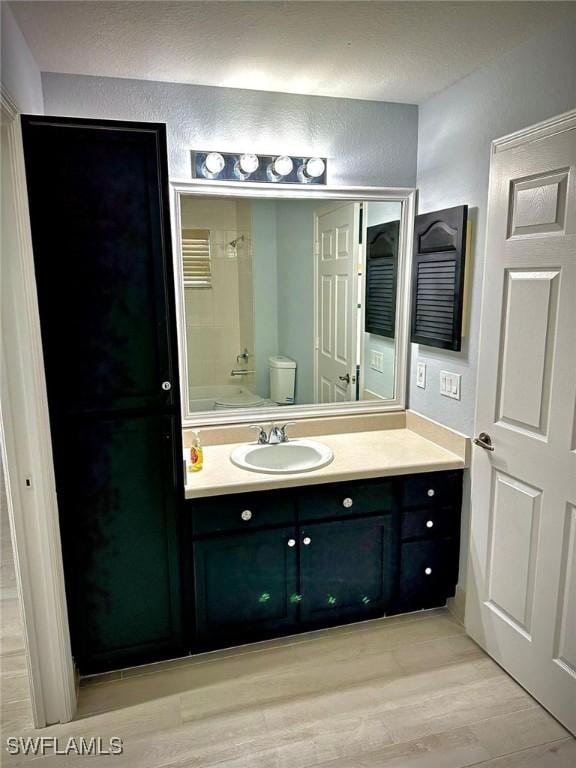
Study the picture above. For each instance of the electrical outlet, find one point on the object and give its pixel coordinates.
(377, 361)
(421, 374)
(450, 384)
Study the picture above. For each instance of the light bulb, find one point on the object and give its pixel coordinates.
(248, 163)
(312, 168)
(213, 164)
(282, 166)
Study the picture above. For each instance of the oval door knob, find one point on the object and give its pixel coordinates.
(291, 542)
(431, 492)
(306, 541)
(347, 503)
(428, 571)
(166, 386)
(429, 523)
(246, 515)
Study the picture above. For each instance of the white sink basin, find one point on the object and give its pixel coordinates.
(284, 458)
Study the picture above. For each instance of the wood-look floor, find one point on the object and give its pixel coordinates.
(406, 692)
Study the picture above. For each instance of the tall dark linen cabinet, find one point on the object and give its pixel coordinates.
(101, 238)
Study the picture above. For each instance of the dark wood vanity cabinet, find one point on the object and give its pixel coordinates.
(280, 562)
(103, 266)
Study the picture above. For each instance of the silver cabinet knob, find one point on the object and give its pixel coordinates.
(166, 386)
(306, 541)
(291, 542)
(431, 492)
(246, 515)
(347, 502)
(429, 524)
(427, 571)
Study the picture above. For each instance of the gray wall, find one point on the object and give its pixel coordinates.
(527, 85)
(20, 73)
(367, 142)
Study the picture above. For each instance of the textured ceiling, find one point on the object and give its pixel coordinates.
(387, 51)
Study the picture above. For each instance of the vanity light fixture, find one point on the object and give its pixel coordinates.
(250, 167)
(213, 165)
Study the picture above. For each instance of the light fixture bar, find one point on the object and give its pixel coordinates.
(272, 169)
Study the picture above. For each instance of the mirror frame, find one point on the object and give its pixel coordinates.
(200, 188)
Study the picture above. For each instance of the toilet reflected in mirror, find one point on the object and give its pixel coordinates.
(288, 302)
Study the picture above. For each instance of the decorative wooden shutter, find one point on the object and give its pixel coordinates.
(381, 269)
(438, 277)
(196, 265)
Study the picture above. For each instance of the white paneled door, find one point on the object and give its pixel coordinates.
(521, 589)
(336, 302)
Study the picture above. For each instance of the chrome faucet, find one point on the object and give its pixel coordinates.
(275, 435)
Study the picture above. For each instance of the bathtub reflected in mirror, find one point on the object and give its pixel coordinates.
(288, 302)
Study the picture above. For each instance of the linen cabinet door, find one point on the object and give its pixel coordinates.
(346, 569)
(246, 586)
(119, 521)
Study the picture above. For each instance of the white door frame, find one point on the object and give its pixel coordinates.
(320, 211)
(28, 462)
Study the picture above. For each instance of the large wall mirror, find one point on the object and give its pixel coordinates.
(292, 302)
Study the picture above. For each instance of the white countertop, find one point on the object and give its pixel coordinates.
(357, 455)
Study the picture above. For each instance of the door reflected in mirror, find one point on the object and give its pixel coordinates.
(288, 302)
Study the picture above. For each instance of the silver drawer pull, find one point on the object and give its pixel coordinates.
(291, 542)
(347, 502)
(429, 524)
(427, 571)
(431, 492)
(246, 515)
(306, 541)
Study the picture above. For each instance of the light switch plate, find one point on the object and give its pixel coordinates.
(450, 384)
(376, 361)
(421, 374)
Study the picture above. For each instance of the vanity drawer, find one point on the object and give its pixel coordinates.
(241, 512)
(429, 523)
(345, 500)
(428, 573)
(432, 489)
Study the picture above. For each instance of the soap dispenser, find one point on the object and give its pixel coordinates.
(196, 453)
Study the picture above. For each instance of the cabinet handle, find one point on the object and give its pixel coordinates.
(427, 571)
(166, 386)
(347, 502)
(431, 492)
(246, 515)
(306, 541)
(291, 542)
(429, 524)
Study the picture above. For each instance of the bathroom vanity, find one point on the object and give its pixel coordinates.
(154, 570)
(284, 561)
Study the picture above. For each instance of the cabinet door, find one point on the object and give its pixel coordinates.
(118, 515)
(246, 586)
(346, 569)
(428, 574)
(100, 232)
